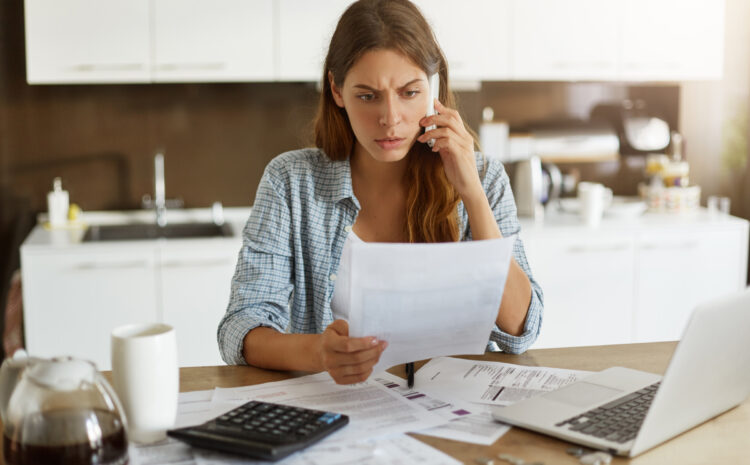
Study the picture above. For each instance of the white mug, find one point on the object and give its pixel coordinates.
(146, 378)
(593, 198)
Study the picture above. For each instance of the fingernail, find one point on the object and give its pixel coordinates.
(374, 341)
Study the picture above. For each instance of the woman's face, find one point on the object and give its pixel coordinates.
(385, 95)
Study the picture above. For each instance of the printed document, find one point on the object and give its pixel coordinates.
(467, 422)
(373, 409)
(427, 300)
(493, 383)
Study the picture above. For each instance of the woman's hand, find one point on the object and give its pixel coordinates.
(456, 148)
(349, 360)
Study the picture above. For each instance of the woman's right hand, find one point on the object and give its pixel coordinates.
(349, 360)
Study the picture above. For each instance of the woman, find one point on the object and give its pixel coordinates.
(372, 177)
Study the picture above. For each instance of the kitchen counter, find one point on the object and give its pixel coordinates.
(72, 235)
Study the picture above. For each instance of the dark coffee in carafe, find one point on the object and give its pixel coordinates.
(60, 437)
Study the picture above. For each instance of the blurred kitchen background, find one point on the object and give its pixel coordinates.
(160, 77)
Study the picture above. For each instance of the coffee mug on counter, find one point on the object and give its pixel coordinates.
(145, 375)
(593, 199)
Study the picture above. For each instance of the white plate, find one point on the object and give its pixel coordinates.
(621, 207)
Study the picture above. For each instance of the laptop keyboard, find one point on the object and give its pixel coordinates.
(617, 421)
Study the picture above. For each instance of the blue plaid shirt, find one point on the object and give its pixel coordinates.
(304, 209)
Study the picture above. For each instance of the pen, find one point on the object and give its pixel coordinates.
(410, 374)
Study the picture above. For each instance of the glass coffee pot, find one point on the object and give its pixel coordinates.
(62, 411)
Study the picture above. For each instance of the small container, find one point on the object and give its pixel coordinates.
(57, 204)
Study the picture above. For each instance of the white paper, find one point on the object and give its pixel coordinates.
(392, 450)
(372, 408)
(493, 383)
(427, 300)
(467, 422)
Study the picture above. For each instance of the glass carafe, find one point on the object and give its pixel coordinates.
(63, 411)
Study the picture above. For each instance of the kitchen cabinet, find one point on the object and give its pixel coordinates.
(672, 39)
(107, 41)
(195, 285)
(678, 270)
(475, 37)
(631, 280)
(212, 40)
(588, 288)
(570, 40)
(73, 299)
(75, 293)
(304, 38)
(87, 41)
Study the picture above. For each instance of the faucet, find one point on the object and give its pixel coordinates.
(160, 197)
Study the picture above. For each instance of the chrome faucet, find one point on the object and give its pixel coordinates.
(160, 197)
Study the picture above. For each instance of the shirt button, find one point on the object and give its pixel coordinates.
(333, 276)
(348, 228)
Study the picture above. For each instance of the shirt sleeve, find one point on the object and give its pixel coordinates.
(262, 282)
(497, 186)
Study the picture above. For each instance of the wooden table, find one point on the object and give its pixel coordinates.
(721, 440)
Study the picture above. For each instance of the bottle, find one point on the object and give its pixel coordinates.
(57, 204)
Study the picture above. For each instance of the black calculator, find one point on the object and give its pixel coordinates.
(262, 430)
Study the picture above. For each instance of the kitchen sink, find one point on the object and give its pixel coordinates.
(139, 231)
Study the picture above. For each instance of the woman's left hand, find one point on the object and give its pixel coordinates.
(456, 148)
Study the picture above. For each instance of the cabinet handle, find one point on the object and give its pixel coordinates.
(88, 266)
(90, 67)
(600, 248)
(190, 66)
(189, 263)
(670, 245)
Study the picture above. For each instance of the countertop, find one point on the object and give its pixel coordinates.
(44, 237)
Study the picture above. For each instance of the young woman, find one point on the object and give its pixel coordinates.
(372, 178)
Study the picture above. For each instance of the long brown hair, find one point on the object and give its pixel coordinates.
(431, 207)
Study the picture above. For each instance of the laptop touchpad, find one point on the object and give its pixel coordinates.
(582, 394)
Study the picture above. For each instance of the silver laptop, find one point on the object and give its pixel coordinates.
(627, 412)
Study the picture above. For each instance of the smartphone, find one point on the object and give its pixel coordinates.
(434, 94)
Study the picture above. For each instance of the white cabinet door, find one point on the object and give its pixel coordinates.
(587, 280)
(213, 40)
(305, 30)
(195, 285)
(87, 41)
(562, 40)
(672, 39)
(679, 269)
(73, 299)
(474, 35)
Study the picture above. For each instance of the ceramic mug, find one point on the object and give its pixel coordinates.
(593, 199)
(146, 378)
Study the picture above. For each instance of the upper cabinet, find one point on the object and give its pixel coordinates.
(87, 41)
(105, 41)
(304, 34)
(672, 39)
(475, 37)
(213, 40)
(565, 40)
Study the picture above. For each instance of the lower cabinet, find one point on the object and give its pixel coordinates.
(632, 282)
(74, 296)
(73, 299)
(195, 286)
(588, 289)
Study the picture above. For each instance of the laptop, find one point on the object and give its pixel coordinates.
(627, 412)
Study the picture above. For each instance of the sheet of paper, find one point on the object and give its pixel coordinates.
(468, 422)
(373, 409)
(398, 449)
(427, 300)
(493, 383)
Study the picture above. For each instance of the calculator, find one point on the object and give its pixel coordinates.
(262, 430)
